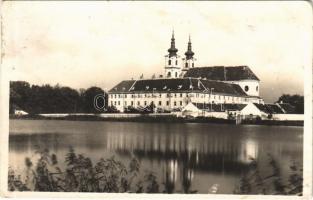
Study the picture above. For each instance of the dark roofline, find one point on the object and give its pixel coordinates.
(236, 90)
(227, 73)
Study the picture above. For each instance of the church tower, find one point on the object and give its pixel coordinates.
(189, 60)
(172, 61)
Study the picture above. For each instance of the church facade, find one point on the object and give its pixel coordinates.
(182, 83)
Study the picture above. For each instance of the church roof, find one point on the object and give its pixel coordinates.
(222, 73)
(178, 85)
(123, 86)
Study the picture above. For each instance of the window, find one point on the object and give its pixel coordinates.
(115, 103)
(125, 96)
(176, 62)
(132, 103)
(257, 88)
(169, 62)
(168, 74)
(186, 65)
(160, 103)
(176, 74)
(138, 103)
(160, 95)
(181, 103)
(167, 103)
(145, 103)
(174, 103)
(246, 88)
(111, 103)
(125, 103)
(193, 64)
(181, 94)
(175, 95)
(115, 96)
(118, 103)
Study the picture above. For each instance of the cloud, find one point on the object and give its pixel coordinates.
(81, 44)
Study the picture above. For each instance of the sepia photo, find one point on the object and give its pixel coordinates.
(190, 98)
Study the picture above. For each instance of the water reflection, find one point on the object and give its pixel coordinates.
(186, 157)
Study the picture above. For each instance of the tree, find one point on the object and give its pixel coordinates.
(88, 97)
(19, 95)
(36, 99)
(295, 100)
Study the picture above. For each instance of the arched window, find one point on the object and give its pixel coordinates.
(186, 65)
(169, 62)
(257, 88)
(246, 88)
(168, 74)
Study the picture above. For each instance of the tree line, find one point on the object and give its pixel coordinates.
(297, 101)
(36, 99)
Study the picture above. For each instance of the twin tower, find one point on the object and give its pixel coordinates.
(176, 67)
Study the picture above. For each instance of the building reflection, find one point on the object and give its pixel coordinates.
(179, 157)
(182, 156)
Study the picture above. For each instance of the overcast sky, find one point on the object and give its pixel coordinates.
(83, 44)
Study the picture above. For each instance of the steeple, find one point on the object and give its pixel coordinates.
(173, 67)
(172, 51)
(189, 53)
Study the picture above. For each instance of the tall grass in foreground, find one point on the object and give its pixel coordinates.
(80, 175)
(267, 179)
(110, 175)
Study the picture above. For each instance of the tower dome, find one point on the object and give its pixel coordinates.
(172, 51)
(189, 53)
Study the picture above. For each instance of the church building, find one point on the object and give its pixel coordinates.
(182, 83)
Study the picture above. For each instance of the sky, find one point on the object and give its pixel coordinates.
(83, 44)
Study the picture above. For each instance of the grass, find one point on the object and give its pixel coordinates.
(255, 181)
(112, 176)
(81, 175)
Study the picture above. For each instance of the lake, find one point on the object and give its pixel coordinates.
(203, 155)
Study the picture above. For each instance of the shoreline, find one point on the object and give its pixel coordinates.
(158, 119)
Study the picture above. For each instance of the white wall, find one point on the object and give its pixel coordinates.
(251, 109)
(254, 86)
(191, 63)
(174, 68)
(181, 101)
(291, 117)
(221, 115)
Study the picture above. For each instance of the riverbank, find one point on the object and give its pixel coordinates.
(156, 119)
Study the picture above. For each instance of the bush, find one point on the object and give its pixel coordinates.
(80, 175)
(252, 182)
